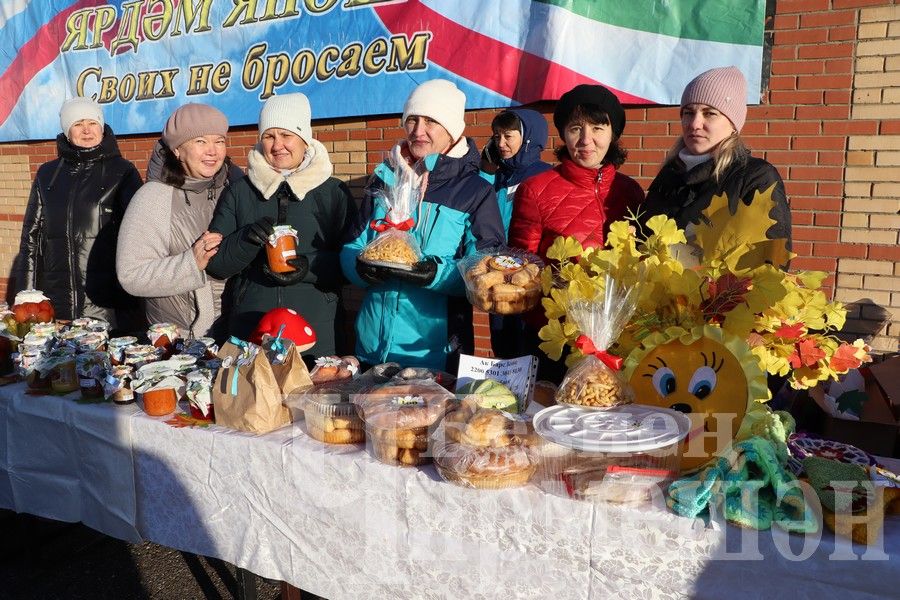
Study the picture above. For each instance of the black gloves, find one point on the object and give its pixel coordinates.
(258, 233)
(372, 274)
(422, 273)
(301, 268)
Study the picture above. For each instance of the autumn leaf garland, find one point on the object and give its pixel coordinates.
(785, 317)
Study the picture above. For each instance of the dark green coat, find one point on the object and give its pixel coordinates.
(319, 207)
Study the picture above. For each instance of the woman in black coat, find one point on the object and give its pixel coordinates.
(710, 159)
(68, 244)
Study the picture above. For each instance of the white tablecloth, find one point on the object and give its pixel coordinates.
(334, 521)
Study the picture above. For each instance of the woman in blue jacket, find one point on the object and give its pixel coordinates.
(514, 154)
(511, 156)
(420, 317)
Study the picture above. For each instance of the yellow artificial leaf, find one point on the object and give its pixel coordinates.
(546, 280)
(563, 248)
(835, 314)
(552, 308)
(740, 321)
(767, 289)
(722, 232)
(812, 279)
(555, 338)
(666, 230)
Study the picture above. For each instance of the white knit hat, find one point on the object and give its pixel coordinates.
(76, 109)
(440, 100)
(287, 111)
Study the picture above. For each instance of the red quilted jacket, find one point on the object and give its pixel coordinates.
(570, 200)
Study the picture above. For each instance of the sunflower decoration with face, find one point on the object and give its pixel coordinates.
(703, 337)
(706, 373)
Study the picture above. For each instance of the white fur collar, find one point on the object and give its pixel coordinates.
(267, 180)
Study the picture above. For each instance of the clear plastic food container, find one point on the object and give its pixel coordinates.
(623, 454)
(399, 419)
(503, 280)
(333, 419)
(485, 448)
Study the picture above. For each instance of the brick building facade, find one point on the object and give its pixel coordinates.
(829, 119)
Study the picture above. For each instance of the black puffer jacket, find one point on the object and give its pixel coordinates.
(68, 247)
(683, 195)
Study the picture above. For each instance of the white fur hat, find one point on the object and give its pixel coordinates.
(440, 100)
(76, 109)
(287, 111)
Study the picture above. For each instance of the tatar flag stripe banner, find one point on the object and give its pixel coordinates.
(141, 60)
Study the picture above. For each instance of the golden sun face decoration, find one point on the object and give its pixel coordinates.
(706, 373)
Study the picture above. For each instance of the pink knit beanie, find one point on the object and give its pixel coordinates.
(193, 120)
(724, 88)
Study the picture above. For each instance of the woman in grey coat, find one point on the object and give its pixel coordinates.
(164, 245)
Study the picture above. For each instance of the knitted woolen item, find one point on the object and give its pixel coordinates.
(724, 88)
(193, 120)
(287, 111)
(746, 483)
(76, 109)
(440, 100)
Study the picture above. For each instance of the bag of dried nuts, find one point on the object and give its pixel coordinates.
(394, 244)
(596, 381)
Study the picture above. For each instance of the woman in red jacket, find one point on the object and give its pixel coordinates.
(582, 195)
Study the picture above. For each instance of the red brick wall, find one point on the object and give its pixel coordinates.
(807, 121)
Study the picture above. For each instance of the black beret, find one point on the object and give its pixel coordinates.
(595, 95)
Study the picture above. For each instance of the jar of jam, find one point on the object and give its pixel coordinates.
(116, 348)
(138, 355)
(92, 368)
(37, 375)
(163, 335)
(117, 385)
(198, 389)
(159, 402)
(282, 247)
(92, 341)
(64, 376)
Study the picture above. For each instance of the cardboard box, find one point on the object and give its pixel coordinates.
(878, 429)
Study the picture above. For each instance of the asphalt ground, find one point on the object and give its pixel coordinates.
(46, 560)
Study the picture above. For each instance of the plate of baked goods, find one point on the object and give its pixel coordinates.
(485, 448)
(503, 281)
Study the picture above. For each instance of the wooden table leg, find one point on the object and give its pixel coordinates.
(246, 584)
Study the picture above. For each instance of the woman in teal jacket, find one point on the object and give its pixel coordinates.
(421, 317)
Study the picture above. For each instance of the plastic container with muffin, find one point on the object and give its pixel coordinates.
(624, 454)
(400, 418)
(485, 448)
(502, 280)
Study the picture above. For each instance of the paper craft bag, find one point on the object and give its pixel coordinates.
(292, 375)
(250, 399)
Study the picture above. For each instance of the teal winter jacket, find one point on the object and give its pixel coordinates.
(458, 214)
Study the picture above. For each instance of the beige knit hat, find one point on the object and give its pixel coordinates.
(287, 111)
(193, 120)
(440, 100)
(723, 88)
